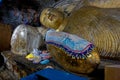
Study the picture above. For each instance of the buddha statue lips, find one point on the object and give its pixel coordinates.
(94, 24)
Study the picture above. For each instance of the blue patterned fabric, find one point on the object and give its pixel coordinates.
(72, 44)
(53, 74)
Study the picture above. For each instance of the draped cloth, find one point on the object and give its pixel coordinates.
(73, 45)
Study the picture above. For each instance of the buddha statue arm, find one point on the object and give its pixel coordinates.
(105, 3)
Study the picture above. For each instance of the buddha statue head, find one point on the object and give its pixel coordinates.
(51, 18)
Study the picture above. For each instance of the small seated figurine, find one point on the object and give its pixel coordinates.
(100, 26)
(72, 52)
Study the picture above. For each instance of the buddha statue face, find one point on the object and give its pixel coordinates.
(51, 18)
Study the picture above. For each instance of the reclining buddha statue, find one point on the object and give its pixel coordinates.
(100, 26)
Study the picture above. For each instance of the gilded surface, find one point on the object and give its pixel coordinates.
(67, 6)
(97, 25)
(51, 16)
(72, 64)
(101, 26)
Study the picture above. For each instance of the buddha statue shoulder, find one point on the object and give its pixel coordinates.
(99, 26)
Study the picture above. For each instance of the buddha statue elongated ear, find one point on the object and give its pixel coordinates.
(51, 18)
